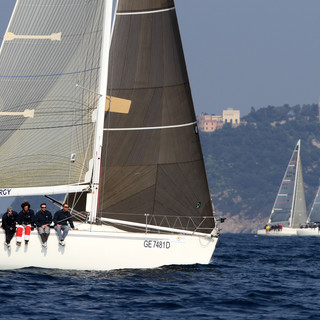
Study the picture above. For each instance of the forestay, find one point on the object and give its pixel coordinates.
(49, 78)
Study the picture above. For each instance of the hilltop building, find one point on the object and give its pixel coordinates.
(210, 123)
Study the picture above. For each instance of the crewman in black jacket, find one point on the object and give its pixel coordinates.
(43, 220)
(61, 219)
(25, 222)
(9, 220)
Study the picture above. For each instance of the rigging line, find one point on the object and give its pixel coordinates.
(144, 12)
(75, 202)
(72, 211)
(52, 75)
(167, 163)
(53, 127)
(152, 128)
(153, 87)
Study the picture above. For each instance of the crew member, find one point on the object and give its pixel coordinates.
(61, 219)
(25, 222)
(9, 220)
(43, 220)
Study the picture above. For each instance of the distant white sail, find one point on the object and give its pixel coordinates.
(289, 208)
(299, 214)
(314, 215)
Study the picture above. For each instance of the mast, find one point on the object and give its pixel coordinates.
(100, 110)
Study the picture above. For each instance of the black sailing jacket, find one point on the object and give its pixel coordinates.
(9, 221)
(61, 217)
(26, 217)
(43, 218)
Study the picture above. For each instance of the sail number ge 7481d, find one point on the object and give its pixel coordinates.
(156, 244)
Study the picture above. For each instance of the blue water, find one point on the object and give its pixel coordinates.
(249, 277)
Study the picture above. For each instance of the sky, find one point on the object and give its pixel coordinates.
(245, 53)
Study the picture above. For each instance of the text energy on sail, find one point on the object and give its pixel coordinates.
(5, 192)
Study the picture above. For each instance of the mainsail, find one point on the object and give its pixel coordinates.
(289, 208)
(314, 215)
(152, 164)
(49, 78)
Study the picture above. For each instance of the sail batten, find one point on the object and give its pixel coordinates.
(48, 75)
(144, 12)
(143, 5)
(152, 128)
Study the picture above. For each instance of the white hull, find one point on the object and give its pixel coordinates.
(275, 233)
(309, 232)
(107, 248)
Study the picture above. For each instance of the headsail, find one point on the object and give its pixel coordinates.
(314, 215)
(299, 216)
(49, 77)
(152, 161)
(289, 208)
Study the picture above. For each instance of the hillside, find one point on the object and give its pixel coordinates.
(245, 165)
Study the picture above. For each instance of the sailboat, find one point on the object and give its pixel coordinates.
(289, 210)
(109, 122)
(313, 222)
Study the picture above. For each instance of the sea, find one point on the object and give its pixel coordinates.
(249, 277)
